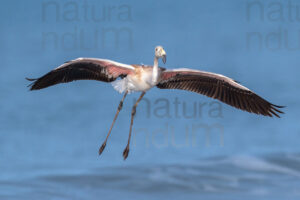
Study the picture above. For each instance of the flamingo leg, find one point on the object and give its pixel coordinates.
(133, 111)
(119, 109)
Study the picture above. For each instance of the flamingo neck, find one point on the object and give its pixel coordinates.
(155, 71)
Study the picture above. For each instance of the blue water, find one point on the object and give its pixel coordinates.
(199, 149)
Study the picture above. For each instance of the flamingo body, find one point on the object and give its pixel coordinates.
(138, 81)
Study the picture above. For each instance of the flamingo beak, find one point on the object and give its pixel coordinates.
(164, 58)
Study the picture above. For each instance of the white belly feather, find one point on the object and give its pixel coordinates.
(133, 83)
(120, 85)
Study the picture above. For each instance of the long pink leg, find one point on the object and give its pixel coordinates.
(119, 109)
(126, 150)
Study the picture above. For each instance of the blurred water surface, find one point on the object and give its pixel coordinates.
(49, 139)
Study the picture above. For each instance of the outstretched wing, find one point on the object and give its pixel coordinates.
(83, 69)
(218, 87)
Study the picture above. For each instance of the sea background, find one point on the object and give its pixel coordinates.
(201, 149)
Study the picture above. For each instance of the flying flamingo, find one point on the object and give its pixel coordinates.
(141, 78)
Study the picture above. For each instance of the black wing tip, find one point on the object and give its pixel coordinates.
(278, 106)
(30, 79)
(274, 110)
(31, 85)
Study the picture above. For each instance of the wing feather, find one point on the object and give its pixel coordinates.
(82, 69)
(218, 87)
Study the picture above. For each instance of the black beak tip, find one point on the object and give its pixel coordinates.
(164, 59)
